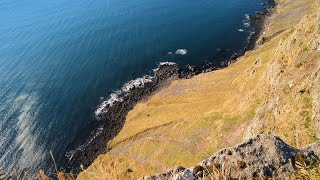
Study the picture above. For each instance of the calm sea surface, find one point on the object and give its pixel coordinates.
(58, 57)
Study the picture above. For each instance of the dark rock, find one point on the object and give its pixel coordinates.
(260, 13)
(197, 169)
(258, 17)
(113, 117)
(192, 71)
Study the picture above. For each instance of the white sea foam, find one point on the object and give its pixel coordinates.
(247, 16)
(71, 153)
(139, 82)
(181, 51)
(164, 63)
(24, 151)
(246, 21)
(118, 96)
(114, 97)
(246, 24)
(250, 35)
(32, 153)
(167, 63)
(240, 30)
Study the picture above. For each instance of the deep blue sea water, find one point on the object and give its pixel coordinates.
(58, 57)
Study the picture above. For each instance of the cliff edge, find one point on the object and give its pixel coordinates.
(273, 89)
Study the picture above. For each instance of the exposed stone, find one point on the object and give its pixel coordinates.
(198, 171)
(263, 156)
(312, 148)
(194, 70)
(267, 155)
(186, 174)
(177, 169)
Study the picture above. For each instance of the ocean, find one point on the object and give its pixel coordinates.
(58, 58)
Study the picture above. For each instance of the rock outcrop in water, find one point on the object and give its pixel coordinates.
(262, 156)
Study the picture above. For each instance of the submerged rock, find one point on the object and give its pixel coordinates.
(262, 156)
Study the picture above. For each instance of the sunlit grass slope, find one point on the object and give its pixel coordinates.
(273, 89)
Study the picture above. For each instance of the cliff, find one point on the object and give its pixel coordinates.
(273, 89)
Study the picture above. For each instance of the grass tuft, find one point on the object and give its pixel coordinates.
(18, 174)
(307, 168)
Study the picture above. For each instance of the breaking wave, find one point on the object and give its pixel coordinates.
(246, 21)
(167, 63)
(118, 96)
(181, 51)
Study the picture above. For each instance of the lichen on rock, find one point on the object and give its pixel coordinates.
(262, 156)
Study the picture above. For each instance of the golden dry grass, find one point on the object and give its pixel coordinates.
(268, 90)
(307, 168)
(17, 174)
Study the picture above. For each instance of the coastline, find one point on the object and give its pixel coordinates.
(264, 92)
(113, 114)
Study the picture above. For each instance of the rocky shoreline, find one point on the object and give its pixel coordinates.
(257, 22)
(112, 112)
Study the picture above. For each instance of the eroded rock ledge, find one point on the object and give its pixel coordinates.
(262, 156)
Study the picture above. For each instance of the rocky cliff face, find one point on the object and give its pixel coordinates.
(262, 156)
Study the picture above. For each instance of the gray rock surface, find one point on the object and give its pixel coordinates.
(183, 175)
(313, 148)
(262, 156)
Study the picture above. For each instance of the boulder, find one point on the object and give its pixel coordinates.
(262, 156)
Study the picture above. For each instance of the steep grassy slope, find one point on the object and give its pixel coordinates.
(273, 89)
